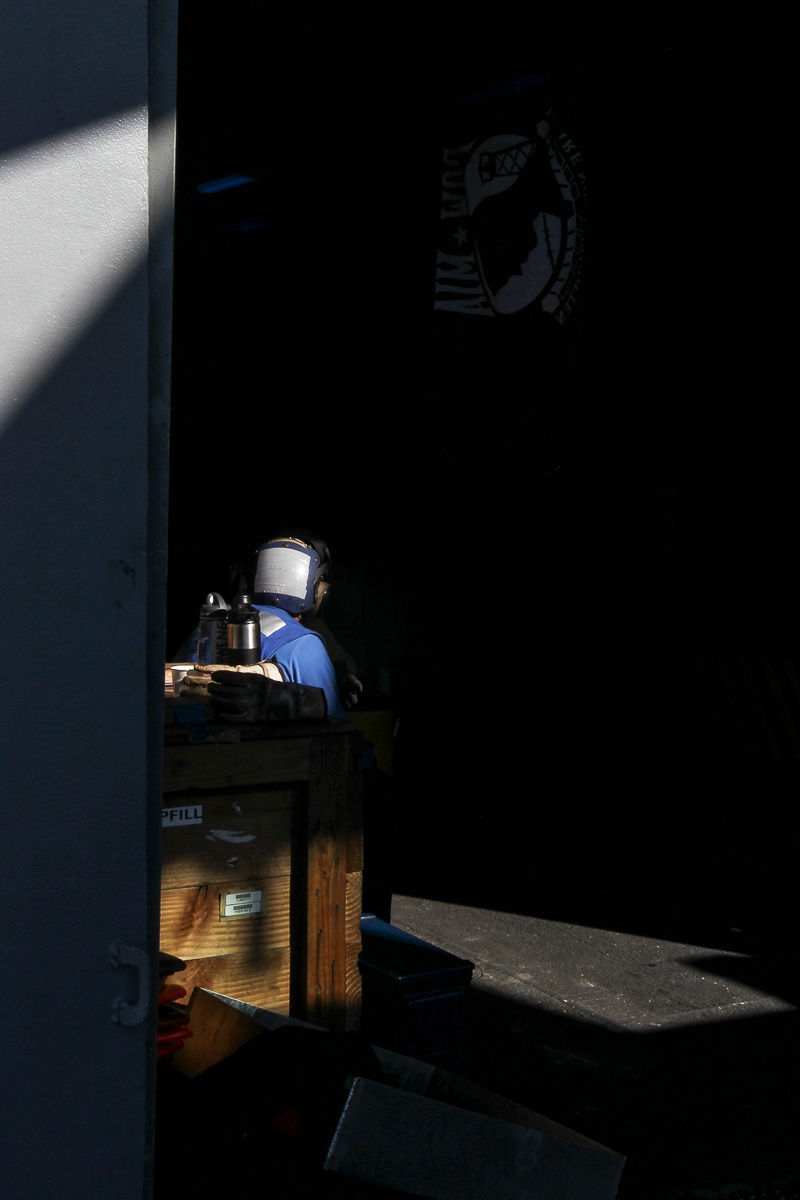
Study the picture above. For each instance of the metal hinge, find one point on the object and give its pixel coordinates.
(131, 956)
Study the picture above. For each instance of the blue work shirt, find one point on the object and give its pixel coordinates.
(301, 655)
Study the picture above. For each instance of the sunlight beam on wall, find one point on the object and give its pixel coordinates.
(61, 264)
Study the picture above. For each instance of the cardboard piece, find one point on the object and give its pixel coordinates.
(218, 1029)
(414, 1144)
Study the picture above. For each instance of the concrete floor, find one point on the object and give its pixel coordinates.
(674, 1051)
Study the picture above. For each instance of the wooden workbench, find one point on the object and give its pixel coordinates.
(261, 864)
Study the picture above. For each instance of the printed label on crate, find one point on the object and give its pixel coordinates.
(190, 814)
(239, 904)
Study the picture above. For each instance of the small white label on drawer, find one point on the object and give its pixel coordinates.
(191, 814)
(239, 904)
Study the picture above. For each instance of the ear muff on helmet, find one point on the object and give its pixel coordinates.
(321, 591)
(290, 575)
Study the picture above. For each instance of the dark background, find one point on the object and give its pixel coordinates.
(571, 563)
(498, 578)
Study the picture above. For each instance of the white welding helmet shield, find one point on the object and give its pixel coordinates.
(286, 575)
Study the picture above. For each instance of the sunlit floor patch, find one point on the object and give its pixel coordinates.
(622, 980)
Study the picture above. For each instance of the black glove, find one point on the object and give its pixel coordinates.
(350, 686)
(239, 696)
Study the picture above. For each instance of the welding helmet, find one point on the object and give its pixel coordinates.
(291, 572)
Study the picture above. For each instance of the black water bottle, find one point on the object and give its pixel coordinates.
(244, 633)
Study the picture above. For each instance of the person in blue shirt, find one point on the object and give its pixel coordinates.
(290, 585)
(287, 584)
(287, 580)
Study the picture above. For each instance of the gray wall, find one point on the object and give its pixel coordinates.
(86, 136)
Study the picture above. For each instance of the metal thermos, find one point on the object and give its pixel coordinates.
(212, 645)
(244, 633)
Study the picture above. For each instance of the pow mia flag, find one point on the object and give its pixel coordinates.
(510, 245)
(512, 223)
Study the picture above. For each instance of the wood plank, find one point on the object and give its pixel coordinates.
(352, 907)
(191, 926)
(326, 884)
(201, 765)
(262, 979)
(352, 1016)
(240, 833)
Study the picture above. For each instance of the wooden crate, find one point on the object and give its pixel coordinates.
(261, 867)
